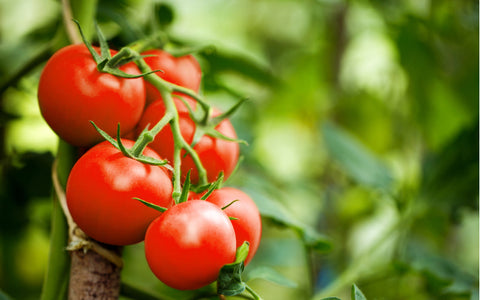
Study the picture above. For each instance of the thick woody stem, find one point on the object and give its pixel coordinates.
(94, 276)
(95, 268)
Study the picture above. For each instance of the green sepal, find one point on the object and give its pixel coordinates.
(121, 147)
(104, 49)
(117, 143)
(94, 53)
(151, 205)
(216, 120)
(105, 135)
(185, 189)
(153, 161)
(229, 282)
(226, 206)
(213, 186)
(216, 134)
(105, 62)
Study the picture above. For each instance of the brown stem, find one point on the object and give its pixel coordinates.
(95, 268)
(93, 276)
(72, 32)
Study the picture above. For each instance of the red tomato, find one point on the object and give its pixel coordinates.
(100, 191)
(72, 92)
(189, 243)
(216, 154)
(248, 226)
(184, 71)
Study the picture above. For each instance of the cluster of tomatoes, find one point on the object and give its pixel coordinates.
(186, 245)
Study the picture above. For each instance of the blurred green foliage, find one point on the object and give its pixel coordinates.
(362, 127)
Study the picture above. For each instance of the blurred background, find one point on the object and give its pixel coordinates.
(362, 124)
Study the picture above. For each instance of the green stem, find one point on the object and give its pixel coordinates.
(165, 88)
(84, 11)
(253, 293)
(56, 279)
(183, 90)
(157, 40)
(149, 135)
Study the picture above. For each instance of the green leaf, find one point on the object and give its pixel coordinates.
(229, 282)
(276, 212)
(222, 60)
(451, 176)
(358, 162)
(331, 298)
(357, 293)
(271, 275)
(4, 296)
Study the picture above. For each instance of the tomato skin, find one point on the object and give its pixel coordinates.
(72, 92)
(183, 71)
(215, 154)
(100, 189)
(189, 243)
(248, 226)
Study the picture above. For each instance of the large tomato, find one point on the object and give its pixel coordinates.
(248, 224)
(189, 243)
(184, 71)
(100, 191)
(216, 154)
(72, 92)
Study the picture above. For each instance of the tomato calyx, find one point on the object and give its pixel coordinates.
(105, 62)
(206, 123)
(230, 282)
(136, 151)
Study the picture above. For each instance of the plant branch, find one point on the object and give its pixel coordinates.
(77, 238)
(165, 88)
(72, 32)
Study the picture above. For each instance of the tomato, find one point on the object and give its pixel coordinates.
(72, 92)
(100, 191)
(189, 243)
(215, 154)
(248, 226)
(184, 71)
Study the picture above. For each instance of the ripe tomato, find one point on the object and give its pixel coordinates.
(216, 154)
(183, 71)
(248, 226)
(72, 92)
(189, 243)
(100, 191)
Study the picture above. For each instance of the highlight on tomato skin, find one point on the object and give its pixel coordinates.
(216, 155)
(72, 92)
(100, 191)
(189, 243)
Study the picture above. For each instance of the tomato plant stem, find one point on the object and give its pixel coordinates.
(148, 136)
(252, 292)
(165, 88)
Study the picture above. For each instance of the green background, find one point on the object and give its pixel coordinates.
(362, 125)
